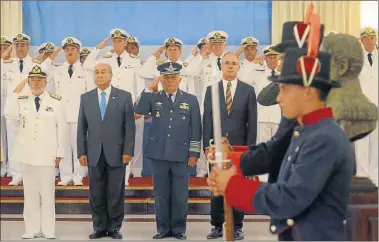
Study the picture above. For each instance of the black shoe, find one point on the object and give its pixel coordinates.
(115, 235)
(215, 233)
(162, 236)
(180, 236)
(238, 234)
(97, 234)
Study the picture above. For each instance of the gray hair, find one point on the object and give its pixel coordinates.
(108, 65)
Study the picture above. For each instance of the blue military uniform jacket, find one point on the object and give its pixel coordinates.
(175, 134)
(312, 191)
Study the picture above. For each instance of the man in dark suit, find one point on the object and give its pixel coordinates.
(238, 123)
(106, 132)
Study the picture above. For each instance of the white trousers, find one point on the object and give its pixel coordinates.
(69, 166)
(39, 199)
(137, 161)
(366, 155)
(4, 166)
(14, 167)
(265, 131)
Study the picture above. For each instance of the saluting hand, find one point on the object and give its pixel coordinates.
(195, 51)
(158, 53)
(55, 53)
(126, 159)
(83, 160)
(154, 84)
(7, 53)
(240, 50)
(103, 43)
(205, 51)
(57, 160)
(192, 161)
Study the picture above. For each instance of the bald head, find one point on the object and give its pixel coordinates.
(103, 75)
(230, 66)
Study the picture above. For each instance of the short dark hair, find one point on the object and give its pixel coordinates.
(323, 94)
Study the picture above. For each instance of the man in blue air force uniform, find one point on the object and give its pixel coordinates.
(173, 145)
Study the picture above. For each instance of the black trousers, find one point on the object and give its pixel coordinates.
(218, 216)
(107, 194)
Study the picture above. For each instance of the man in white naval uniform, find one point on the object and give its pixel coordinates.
(5, 50)
(132, 45)
(268, 116)
(71, 82)
(15, 71)
(207, 67)
(125, 68)
(173, 51)
(46, 50)
(250, 63)
(366, 149)
(39, 147)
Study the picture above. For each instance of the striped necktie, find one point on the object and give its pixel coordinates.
(228, 97)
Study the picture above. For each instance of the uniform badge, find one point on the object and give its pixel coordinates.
(209, 65)
(184, 106)
(158, 114)
(49, 109)
(158, 104)
(183, 117)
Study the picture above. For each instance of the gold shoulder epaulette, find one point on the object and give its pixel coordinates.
(185, 64)
(8, 61)
(107, 55)
(23, 97)
(37, 60)
(55, 96)
(159, 62)
(133, 56)
(206, 57)
(256, 61)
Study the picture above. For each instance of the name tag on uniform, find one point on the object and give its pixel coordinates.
(184, 106)
(49, 109)
(80, 76)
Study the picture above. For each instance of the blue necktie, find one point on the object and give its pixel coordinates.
(103, 105)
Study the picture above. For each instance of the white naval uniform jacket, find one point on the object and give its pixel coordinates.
(149, 70)
(42, 134)
(266, 114)
(207, 69)
(11, 76)
(70, 89)
(125, 77)
(247, 72)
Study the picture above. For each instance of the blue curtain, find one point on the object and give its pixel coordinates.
(150, 22)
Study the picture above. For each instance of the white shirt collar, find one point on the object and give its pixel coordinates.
(40, 96)
(27, 57)
(107, 91)
(122, 55)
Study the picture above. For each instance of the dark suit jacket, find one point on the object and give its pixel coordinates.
(241, 123)
(115, 134)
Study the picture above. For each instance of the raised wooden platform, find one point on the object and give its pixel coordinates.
(139, 197)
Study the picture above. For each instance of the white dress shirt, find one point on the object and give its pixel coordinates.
(107, 94)
(233, 87)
